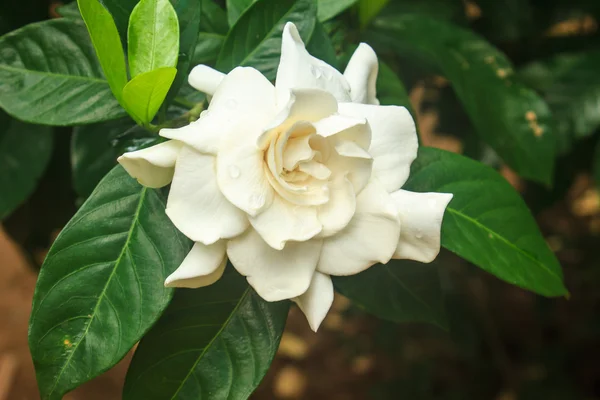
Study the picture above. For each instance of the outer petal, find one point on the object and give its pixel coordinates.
(421, 216)
(337, 213)
(298, 69)
(361, 74)
(370, 237)
(203, 266)
(317, 300)
(275, 275)
(393, 141)
(284, 221)
(196, 205)
(341, 127)
(153, 166)
(205, 79)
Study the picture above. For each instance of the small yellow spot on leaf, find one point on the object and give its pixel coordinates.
(530, 116)
(67, 343)
(501, 73)
(489, 59)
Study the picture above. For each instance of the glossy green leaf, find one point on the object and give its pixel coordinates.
(399, 291)
(214, 18)
(95, 148)
(487, 222)
(235, 8)
(329, 9)
(152, 37)
(49, 74)
(570, 83)
(509, 116)
(208, 48)
(216, 342)
(107, 43)
(25, 151)
(255, 40)
(101, 286)
(145, 93)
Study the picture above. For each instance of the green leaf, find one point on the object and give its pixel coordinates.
(216, 342)
(101, 286)
(487, 222)
(390, 89)
(399, 291)
(70, 10)
(120, 11)
(49, 74)
(145, 93)
(321, 46)
(25, 151)
(329, 9)
(368, 9)
(235, 8)
(152, 37)
(507, 115)
(95, 148)
(255, 40)
(570, 83)
(214, 18)
(107, 43)
(208, 48)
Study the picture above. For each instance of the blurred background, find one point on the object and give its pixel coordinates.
(503, 343)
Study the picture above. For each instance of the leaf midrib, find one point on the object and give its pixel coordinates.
(103, 293)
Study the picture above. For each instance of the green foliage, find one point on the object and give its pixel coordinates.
(152, 37)
(508, 115)
(208, 48)
(145, 93)
(255, 40)
(25, 151)
(49, 74)
(487, 222)
(217, 342)
(235, 8)
(103, 278)
(328, 9)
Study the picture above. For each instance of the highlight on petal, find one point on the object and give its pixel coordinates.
(298, 69)
(152, 166)
(205, 79)
(283, 221)
(203, 266)
(421, 216)
(196, 206)
(361, 74)
(394, 141)
(370, 237)
(274, 274)
(317, 300)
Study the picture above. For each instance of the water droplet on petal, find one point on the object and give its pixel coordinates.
(419, 234)
(234, 171)
(256, 201)
(231, 104)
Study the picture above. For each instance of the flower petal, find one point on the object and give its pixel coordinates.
(203, 266)
(153, 166)
(205, 79)
(317, 300)
(298, 69)
(393, 141)
(348, 128)
(421, 216)
(196, 206)
(361, 74)
(370, 237)
(337, 213)
(283, 221)
(352, 161)
(274, 274)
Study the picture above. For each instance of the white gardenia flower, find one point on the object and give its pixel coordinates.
(294, 182)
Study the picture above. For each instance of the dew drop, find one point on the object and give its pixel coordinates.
(419, 234)
(234, 171)
(257, 201)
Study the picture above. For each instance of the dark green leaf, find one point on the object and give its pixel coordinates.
(255, 40)
(368, 9)
(70, 10)
(390, 89)
(214, 18)
(101, 286)
(235, 8)
(509, 116)
(49, 74)
(570, 84)
(145, 93)
(399, 291)
(208, 48)
(216, 342)
(506, 20)
(107, 43)
(94, 152)
(321, 46)
(152, 37)
(331, 8)
(25, 151)
(487, 222)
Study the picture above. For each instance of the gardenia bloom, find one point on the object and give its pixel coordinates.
(294, 182)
